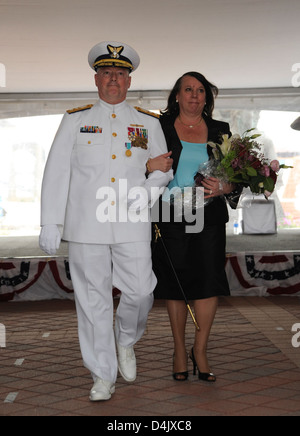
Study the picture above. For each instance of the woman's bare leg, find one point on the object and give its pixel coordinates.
(178, 316)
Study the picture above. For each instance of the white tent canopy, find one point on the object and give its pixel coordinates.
(235, 43)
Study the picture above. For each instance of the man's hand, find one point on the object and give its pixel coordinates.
(50, 239)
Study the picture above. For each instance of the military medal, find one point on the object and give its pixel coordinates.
(138, 137)
(91, 129)
(140, 142)
(128, 149)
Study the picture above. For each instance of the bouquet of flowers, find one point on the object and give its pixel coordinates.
(240, 160)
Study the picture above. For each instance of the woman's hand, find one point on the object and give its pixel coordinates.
(215, 188)
(161, 163)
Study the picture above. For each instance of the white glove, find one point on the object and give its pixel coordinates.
(138, 199)
(50, 239)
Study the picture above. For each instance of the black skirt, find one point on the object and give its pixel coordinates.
(199, 261)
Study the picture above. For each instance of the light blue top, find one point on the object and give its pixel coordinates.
(192, 156)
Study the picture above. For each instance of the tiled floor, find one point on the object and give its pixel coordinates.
(250, 351)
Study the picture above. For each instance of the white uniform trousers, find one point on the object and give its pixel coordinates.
(94, 269)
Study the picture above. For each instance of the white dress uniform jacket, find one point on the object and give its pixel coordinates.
(89, 154)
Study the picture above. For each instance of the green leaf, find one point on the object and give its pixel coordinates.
(250, 130)
(285, 167)
(251, 172)
(269, 184)
(236, 180)
(230, 172)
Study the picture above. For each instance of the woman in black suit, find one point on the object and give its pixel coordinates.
(199, 258)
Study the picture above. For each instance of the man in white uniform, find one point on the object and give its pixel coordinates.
(96, 195)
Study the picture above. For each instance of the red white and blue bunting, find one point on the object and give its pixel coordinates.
(37, 279)
(34, 279)
(248, 275)
(264, 274)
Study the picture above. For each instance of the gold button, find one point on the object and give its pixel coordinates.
(115, 134)
(113, 203)
(114, 115)
(113, 180)
(89, 142)
(114, 156)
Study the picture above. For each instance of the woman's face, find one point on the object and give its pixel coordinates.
(192, 96)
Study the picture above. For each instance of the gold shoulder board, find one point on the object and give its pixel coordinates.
(80, 109)
(143, 111)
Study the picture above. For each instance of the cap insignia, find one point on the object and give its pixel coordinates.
(115, 51)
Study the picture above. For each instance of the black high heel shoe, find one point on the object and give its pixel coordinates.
(204, 376)
(180, 376)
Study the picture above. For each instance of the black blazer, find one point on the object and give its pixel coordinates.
(216, 212)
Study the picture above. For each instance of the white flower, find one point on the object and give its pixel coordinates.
(225, 147)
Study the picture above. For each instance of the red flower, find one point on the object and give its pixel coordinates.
(256, 164)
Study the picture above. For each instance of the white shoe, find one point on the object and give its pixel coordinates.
(127, 363)
(102, 390)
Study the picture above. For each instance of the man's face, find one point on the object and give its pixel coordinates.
(113, 84)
